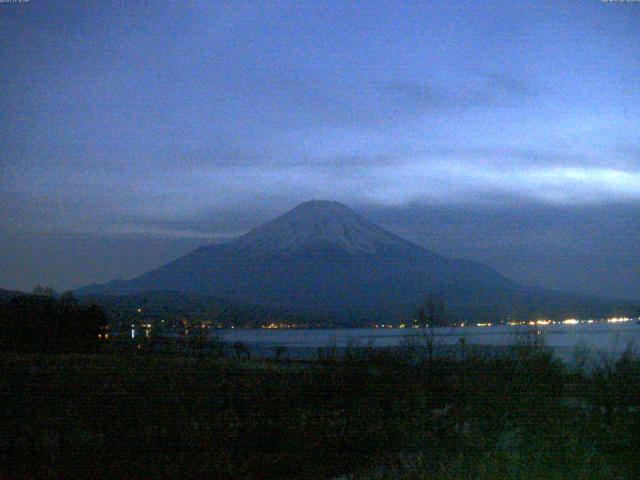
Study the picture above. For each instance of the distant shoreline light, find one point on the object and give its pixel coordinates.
(541, 322)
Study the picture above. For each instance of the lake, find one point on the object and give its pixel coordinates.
(610, 339)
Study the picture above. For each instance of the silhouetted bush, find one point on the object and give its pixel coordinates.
(40, 323)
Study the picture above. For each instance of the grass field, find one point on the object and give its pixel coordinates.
(374, 415)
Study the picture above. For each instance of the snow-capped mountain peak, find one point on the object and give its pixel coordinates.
(320, 222)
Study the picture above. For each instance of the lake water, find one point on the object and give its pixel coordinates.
(609, 339)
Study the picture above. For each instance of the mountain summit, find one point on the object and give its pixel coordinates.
(324, 259)
(320, 225)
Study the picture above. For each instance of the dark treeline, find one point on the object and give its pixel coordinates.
(43, 322)
(366, 413)
(177, 307)
(433, 309)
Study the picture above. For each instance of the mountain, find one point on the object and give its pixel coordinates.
(324, 259)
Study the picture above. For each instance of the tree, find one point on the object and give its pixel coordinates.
(68, 299)
(431, 315)
(241, 349)
(279, 351)
(44, 323)
(43, 291)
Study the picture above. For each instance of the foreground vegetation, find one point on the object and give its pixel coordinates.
(367, 414)
(46, 323)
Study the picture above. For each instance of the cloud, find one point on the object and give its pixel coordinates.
(491, 89)
(157, 191)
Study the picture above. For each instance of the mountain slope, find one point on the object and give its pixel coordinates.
(322, 257)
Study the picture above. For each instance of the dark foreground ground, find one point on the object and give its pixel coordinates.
(369, 414)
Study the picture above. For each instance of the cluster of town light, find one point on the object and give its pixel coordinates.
(404, 325)
(618, 319)
(541, 322)
(568, 321)
(274, 325)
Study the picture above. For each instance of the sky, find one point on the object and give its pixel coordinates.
(506, 132)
